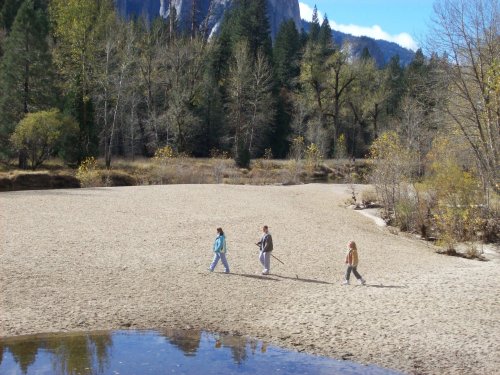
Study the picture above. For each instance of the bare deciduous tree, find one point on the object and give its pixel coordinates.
(468, 32)
(250, 106)
(182, 75)
(112, 76)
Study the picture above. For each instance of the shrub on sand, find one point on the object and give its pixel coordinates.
(88, 174)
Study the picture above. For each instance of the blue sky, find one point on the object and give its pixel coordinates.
(402, 21)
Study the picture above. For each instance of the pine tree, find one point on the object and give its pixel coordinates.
(247, 22)
(287, 53)
(315, 26)
(8, 13)
(417, 78)
(26, 69)
(395, 83)
(261, 30)
(325, 39)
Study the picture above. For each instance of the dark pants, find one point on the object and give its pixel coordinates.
(354, 271)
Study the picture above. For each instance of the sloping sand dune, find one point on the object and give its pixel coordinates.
(94, 259)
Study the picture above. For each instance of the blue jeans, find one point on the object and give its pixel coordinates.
(222, 257)
(265, 259)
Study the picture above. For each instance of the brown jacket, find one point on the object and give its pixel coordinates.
(351, 257)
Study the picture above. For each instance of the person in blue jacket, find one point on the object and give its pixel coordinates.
(220, 251)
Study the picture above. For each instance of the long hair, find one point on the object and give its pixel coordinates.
(220, 231)
(352, 245)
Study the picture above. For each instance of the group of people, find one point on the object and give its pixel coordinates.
(266, 247)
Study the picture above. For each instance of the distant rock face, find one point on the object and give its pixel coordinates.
(381, 50)
(283, 10)
(208, 14)
(147, 8)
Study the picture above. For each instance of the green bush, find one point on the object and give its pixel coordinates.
(39, 134)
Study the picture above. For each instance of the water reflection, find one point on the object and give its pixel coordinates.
(187, 341)
(153, 352)
(70, 354)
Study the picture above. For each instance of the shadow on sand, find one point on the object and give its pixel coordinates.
(304, 280)
(259, 277)
(387, 286)
(274, 277)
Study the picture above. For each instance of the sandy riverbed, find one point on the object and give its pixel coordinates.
(94, 259)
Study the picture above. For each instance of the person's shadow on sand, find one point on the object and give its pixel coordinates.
(304, 280)
(259, 277)
(386, 286)
(274, 277)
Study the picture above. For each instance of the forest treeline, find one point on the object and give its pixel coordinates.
(78, 82)
(133, 86)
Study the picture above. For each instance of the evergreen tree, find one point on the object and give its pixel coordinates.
(287, 54)
(26, 69)
(211, 112)
(417, 77)
(247, 22)
(8, 13)
(304, 37)
(287, 48)
(325, 35)
(395, 82)
(315, 26)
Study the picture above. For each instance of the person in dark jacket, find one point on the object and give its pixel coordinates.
(266, 246)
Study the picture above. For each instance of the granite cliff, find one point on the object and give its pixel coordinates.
(208, 14)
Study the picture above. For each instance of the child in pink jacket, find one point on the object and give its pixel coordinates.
(351, 259)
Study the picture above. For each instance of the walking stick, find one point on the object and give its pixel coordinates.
(296, 276)
(277, 259)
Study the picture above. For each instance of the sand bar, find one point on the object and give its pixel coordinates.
(110, 258)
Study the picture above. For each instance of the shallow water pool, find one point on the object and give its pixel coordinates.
(162, 352)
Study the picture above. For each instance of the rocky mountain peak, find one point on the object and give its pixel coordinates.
(207, 14)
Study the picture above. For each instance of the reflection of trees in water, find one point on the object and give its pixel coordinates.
(90, 354)
(72, 355)
(101, 347)
(187, 341)
(238, 346)
(24, 353)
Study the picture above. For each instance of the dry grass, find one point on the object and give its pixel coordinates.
(186, 170)
(36, 180)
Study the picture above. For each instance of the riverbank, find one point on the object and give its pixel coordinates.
(114, 258)
(184, 170)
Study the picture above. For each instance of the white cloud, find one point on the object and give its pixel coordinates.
(375, 31)
(306, 13)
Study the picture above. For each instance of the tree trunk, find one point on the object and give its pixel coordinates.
(23, 159)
